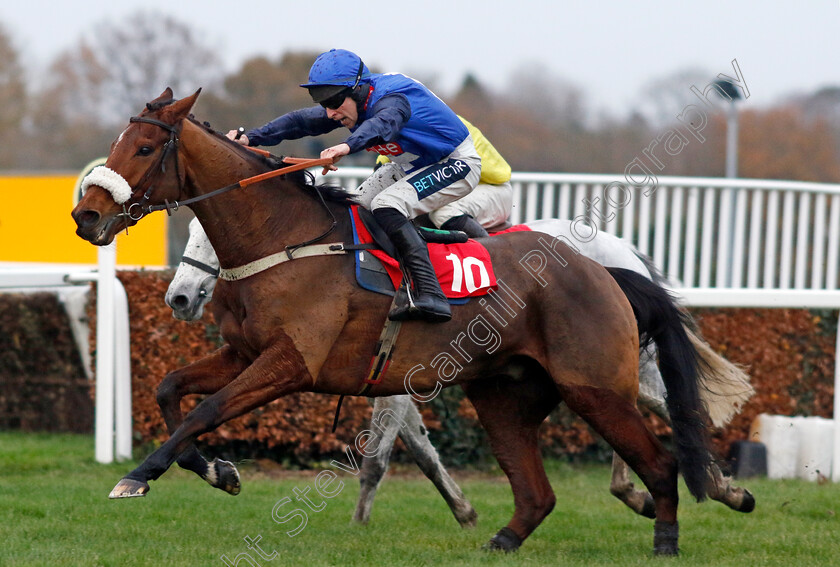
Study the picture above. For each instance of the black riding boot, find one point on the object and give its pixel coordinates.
(465, 223)
(429, 302)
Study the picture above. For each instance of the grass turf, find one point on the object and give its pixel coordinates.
(54, 511)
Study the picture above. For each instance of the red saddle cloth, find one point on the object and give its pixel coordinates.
(464, 270)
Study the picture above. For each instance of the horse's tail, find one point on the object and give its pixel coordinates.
(724, 387)
(660, 320)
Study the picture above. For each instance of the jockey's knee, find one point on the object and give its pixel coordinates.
(386, 201)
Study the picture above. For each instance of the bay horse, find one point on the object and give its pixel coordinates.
(572, 333)
(192, 288)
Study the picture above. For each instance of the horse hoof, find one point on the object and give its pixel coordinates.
(666, 538)
(467, 519)
(226, 477)
(649, 508)
(748, 503)
(506, 540)
(129, 488)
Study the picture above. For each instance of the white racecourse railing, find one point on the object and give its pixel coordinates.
(704, 232)
(113, 427)
(729, 242)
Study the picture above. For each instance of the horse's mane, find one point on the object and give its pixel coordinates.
(304, 179)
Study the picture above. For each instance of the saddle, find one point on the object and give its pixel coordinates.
(428, 232)
(378, 271)
(463, 266)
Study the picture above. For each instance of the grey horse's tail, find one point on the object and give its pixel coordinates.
(724, 386)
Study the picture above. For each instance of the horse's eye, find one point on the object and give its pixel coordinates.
(145, 151)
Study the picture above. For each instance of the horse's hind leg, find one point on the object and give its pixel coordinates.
(622, 488)
(205, 376)
(721, 489)
(621, 425)
(511, 413)
(652, 396)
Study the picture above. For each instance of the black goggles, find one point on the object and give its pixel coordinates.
(336, 100)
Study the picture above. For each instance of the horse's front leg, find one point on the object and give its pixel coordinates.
(206, 376)
(278, 371)
(416, 439)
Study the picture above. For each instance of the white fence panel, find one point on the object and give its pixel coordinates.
(728, 233)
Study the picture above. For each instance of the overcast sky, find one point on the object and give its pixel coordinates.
(610, 48)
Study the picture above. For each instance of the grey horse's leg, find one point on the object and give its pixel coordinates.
(651, 387)
(623, 488)
(721, 489)
(652, 396)
(416, 439)
(397, 415)
(388, 417)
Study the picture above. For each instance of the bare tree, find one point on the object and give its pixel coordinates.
(553, 99)
(663, 98)
(116, 68)
(259, 91)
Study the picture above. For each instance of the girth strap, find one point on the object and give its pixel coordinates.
(382, 356)
(384, 347)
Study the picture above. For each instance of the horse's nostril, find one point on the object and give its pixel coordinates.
(180, 302)
(87, 218)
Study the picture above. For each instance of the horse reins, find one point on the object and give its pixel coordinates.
(295, 164)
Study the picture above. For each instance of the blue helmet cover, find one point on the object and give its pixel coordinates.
(337, 67)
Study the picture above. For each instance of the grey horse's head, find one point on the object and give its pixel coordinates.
(192, 287)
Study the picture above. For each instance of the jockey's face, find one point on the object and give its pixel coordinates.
(347, 113)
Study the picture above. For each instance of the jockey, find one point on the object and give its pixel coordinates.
(392, 115)
(486, 206)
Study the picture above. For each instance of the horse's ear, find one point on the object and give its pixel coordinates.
(182, 107)
(165, 95)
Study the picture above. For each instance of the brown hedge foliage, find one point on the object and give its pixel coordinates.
(788, 353)
(43, 386)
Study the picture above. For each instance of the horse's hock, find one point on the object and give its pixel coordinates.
(43, 383)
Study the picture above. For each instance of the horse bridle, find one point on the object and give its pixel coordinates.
(206, 268)
(201, 266)
(169, 147)
(173, 144)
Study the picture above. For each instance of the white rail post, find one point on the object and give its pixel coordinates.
(122, 373)
(105, 327)
(835, 465)
(113, 363)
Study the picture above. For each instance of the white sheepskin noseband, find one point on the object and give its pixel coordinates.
(109, 180)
